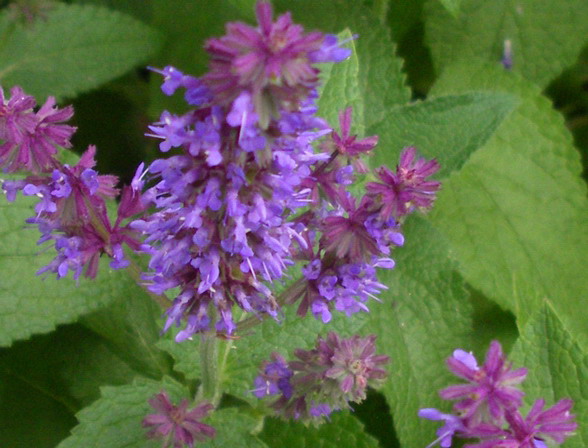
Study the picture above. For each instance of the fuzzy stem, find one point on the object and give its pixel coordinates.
(209, 364)
(380, 8)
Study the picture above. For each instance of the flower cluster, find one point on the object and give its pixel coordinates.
(257, 181)
(178, 426)
(71, 209)
(488, 407)
(322, 380)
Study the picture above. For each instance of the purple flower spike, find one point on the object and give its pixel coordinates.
(491, 390)
(177, 425)
(402, 191)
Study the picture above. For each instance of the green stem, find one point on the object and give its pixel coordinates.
(209, 363)
(380, 8)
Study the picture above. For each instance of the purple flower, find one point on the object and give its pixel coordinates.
(348, 145)
(452, 425)
(31, 138)
(507, 61)
(489, 407)
(331, 50)
(72, 214)
(274, 379)
(178, 426)
(348, 236)
(402, 191)
(491, 389)
(337, 371)
(554, 424)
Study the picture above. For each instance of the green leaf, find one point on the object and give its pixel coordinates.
(343, 431)
(516, 213)
(67, 365)
(425, 315)
(31, 417)
(76, 49)
(545, 36)
(114, 421)
(340, 89)
(233, 429)
(448, 128)
(186, 354)
(131, 327)
(452, 6)
(558, 367)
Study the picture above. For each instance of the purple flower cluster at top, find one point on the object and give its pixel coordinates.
(488, 407)
(322, 380)
(257, 181)
(71, 209)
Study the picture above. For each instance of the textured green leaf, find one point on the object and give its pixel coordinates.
(186, 354)
(343, 431)
(114, 421)
(233, 429)
(516, 214)
(448, 128)
(425, 315)
(76, 49)
(545, 36)
(340, 89)
(558, 367)
(131, 327)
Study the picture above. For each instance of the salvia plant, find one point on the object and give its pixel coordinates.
(273, 224)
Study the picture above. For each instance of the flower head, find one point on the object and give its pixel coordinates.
(31, 138)
(348, 145)
(491, 389)
(178, 426)
(554, 424)
(322, 380)
(406, 189)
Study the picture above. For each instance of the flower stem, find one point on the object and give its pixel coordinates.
(380, 8)
(209, 363)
